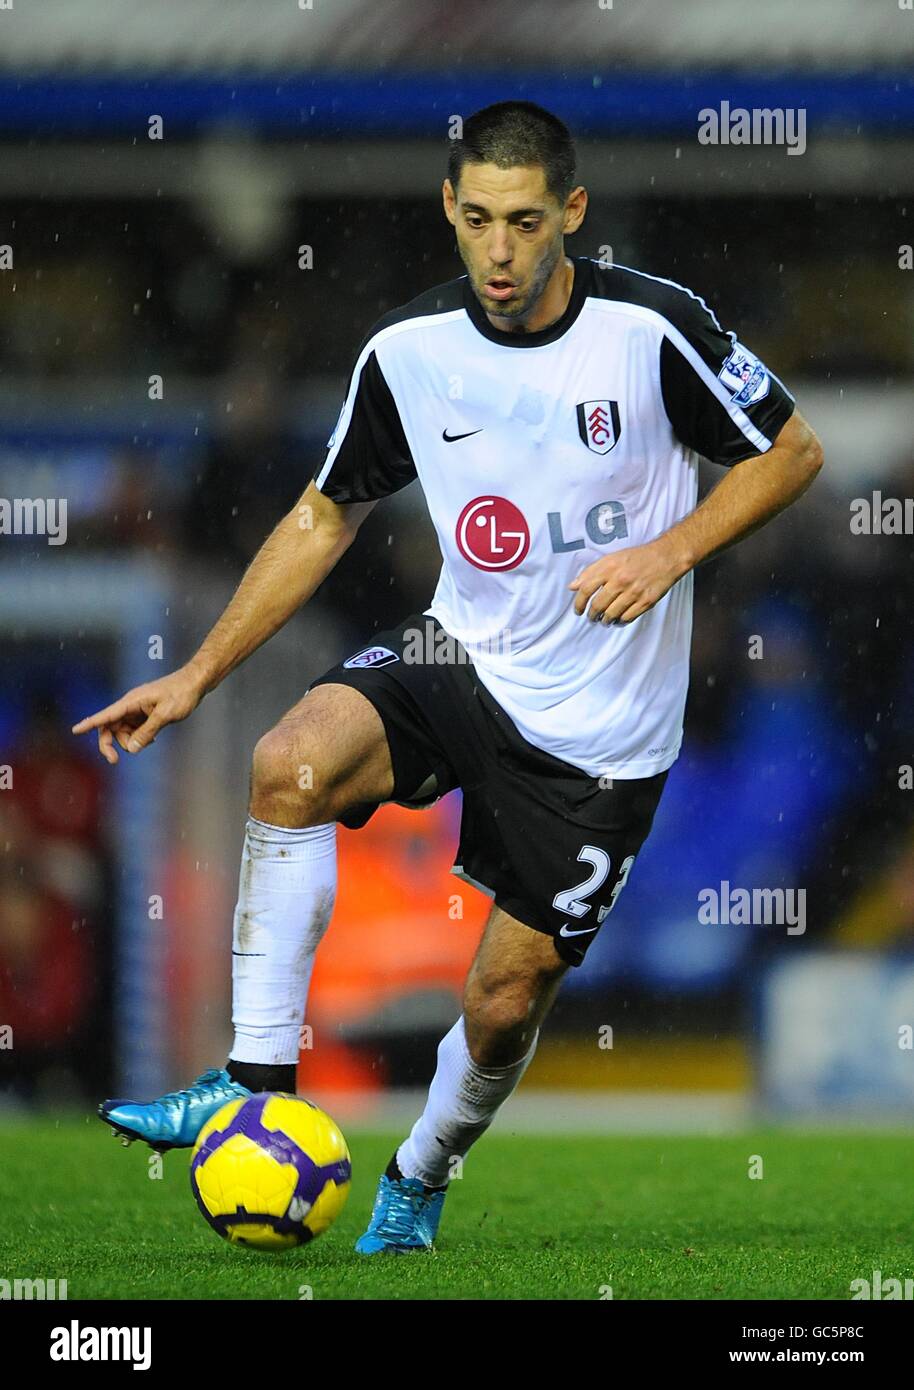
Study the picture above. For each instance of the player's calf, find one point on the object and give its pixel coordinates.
(510, 989)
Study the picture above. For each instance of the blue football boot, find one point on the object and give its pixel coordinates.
(174, 1120)
(405, 1217)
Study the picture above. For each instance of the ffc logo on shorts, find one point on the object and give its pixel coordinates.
(745, 376)
(374, 656)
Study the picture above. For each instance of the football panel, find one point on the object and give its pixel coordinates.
(241, 1173)
(261, 1235)
(311, 1128)
(327, 1207)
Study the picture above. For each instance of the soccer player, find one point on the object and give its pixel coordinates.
(553, 410)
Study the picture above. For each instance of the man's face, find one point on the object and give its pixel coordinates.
(509, 233)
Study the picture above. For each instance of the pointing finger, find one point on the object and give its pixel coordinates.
(112, 714)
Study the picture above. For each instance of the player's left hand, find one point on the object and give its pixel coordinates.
(621, 587)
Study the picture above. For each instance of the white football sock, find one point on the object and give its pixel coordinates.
(286, 892)
(462, 1102)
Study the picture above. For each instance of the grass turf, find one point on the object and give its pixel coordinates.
(534, 1217)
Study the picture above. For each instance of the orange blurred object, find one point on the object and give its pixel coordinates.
(403, 923)
(337, 1068)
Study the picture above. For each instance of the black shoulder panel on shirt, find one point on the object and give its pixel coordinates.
(683, 309)
(731, 411)
(372, 455)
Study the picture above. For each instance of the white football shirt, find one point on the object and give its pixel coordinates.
(539, 453)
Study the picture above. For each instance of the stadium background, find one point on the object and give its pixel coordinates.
(179, 258)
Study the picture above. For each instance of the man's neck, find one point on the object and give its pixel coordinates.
(550, 306)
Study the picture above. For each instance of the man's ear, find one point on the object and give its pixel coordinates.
(575, 208)
(449, 198)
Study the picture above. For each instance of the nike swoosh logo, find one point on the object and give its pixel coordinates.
(452, 438)
(582, 932)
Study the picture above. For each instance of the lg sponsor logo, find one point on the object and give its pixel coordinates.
(493, 534)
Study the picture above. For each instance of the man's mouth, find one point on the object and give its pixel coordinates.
(499, 287)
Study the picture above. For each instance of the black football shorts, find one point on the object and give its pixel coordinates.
(551, 845)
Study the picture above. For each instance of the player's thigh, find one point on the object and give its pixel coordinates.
(332, 743)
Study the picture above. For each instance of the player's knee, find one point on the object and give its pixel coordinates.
(286, 787)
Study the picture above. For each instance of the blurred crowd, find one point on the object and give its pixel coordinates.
(108, 289)
(55, 892)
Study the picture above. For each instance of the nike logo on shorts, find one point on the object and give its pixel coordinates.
(563, 931)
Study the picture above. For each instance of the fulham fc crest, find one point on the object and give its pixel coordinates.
(598, 425)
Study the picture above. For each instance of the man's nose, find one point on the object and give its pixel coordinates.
(500, 249)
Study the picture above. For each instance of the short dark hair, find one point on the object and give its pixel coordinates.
(514, 134)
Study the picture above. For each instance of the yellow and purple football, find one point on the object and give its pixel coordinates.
(271, 1171)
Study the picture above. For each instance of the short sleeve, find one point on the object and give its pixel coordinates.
(721, 400)
(368, 454)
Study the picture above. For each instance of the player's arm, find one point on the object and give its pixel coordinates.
(623, 586)
(751, 493)
(724, 404)
(291, 564)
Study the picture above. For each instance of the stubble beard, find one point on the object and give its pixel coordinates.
(521, 309)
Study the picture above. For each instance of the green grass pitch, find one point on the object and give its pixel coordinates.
(534, 1217)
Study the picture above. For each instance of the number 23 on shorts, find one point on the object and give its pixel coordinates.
(572, 900)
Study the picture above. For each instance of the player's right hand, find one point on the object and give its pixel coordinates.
(134, 720)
